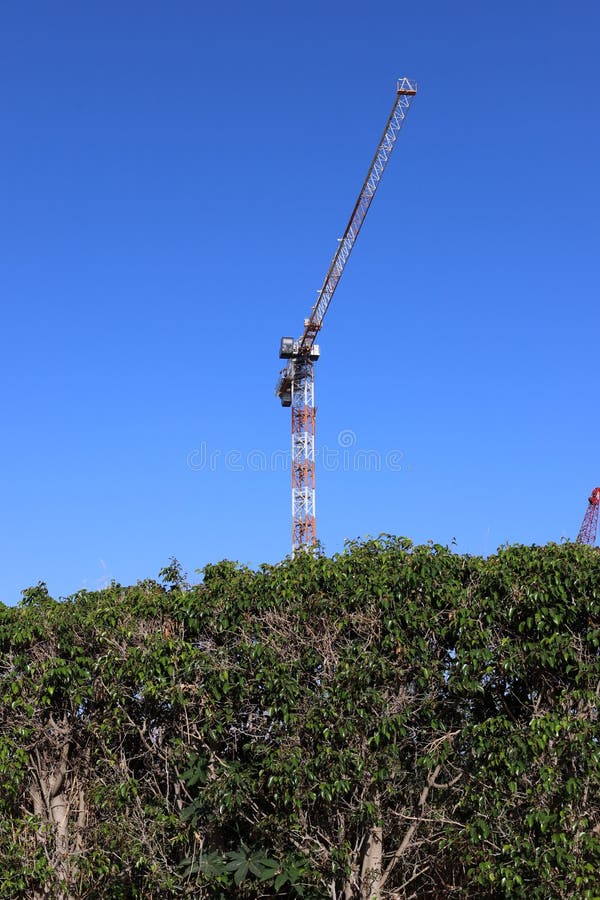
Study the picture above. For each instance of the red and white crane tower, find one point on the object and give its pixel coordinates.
(589, 526)
(295, 387)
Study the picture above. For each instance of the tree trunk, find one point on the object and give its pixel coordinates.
(370, 874)
(58, 800)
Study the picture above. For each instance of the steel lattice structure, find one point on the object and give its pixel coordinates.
(304, 523)
(295, 387)
(589, 526)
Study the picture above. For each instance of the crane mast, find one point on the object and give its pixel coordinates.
(295, 387)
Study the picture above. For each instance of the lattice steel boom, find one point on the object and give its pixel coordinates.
(589, 526)
(295, 387)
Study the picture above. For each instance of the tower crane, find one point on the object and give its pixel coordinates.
(589, 526)
(295, 387)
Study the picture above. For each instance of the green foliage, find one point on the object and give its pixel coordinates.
(232, 872)
(394, 721)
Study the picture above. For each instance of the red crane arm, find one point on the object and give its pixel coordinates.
(589, 526)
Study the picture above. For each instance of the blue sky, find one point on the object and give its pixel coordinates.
(173, 180)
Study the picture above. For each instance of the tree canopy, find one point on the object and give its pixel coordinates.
(395, 721)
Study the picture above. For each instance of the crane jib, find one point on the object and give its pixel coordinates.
(406, 90)
(405, 93)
